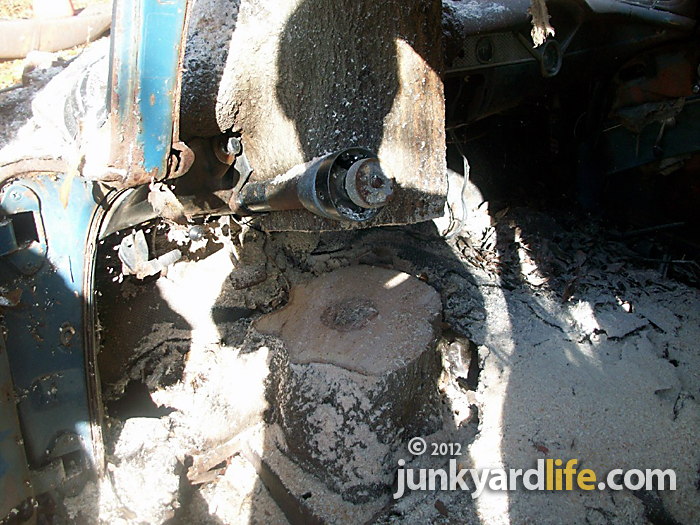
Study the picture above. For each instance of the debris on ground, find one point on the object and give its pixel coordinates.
(133, 253)
(595, 361)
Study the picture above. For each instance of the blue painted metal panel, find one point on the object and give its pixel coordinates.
(14, 475)
(48, 355)
(124, 50)
(144, 100)
(45, 332)
(160, 53)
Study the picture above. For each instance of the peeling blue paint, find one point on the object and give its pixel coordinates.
(146, 55)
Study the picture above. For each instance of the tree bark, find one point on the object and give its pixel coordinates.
(358, 376)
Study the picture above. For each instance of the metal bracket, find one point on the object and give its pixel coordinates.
(133, 253)
(22, 234)
(242, 166)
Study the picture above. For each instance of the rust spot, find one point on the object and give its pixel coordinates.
(153, 99)
(13, 298)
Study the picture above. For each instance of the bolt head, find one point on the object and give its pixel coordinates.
(233, 146)
(66, 334)
(196, 233)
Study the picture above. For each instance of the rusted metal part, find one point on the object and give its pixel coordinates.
(146, 60)
(212, 159)
(366, 184)
(637, 118)
(657, 77)
(348, 185)
(133, 253)
(177, 94)
(181, 160)
(657, 131)
(22, 166)
(202, 464)
(131, 207)
(654, 113)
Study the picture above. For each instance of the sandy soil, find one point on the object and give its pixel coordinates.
(582, 355)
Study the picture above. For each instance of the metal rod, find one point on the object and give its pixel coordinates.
(348, 185)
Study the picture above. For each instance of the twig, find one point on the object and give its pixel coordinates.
(296, 512)
(665, 261)
(644, 231)
(10, 88)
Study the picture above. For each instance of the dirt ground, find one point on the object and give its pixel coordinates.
(581, 353)
(574, 348)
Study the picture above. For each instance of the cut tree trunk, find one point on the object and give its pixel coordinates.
(303, 78)
(358, 375)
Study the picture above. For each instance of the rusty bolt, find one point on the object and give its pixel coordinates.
(226, 148)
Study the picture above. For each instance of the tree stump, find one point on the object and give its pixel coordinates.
(358, 374)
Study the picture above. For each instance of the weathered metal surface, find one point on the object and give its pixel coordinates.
(657, 77)
(655, 114)
(181, 159)
(623, 149)
(8, 240)
(133, 253)
(15, 487)
(144, 87)
(652, 12)
(336, 187)
(50, 332)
